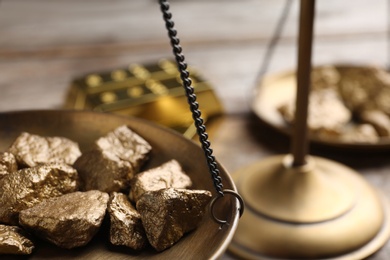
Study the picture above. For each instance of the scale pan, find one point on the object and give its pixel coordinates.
(279, 88)
(208, 241)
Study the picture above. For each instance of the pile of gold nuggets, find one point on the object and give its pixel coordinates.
(49, 189)
(347, 104)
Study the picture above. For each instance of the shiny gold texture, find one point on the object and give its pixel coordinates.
(156, 87)
(125, 223)
(67, 221)
(32, 150)
(207, 241)
(93, 80)
(322, 210)
(113, 161)
(139, 71)
(7, 164)
(100, 170)
(135, 92)
(168, 175)
(118, 75)
(168, 66)
(14, 241)
(152, 91)
(108, 97)
(168, 214)
(30, 186)
(126, 145)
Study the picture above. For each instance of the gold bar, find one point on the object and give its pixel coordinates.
(151, 91)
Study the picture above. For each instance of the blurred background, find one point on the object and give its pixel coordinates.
(48, 43)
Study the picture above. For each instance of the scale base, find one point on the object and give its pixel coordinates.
(323, 210)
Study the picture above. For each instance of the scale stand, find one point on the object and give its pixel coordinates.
(306, 207)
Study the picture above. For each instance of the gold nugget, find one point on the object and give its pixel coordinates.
(13, 240)
(125, 223)
(326, 110)
(362, 133)
(366, 89)
(67, 221)
(168, 175)
(31, 150)
(30, 186)
(126, 145)
(116, 158)
(379, 120)
(7, 164)
(168, 214)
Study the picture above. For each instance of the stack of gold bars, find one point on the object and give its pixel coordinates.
(150, 91)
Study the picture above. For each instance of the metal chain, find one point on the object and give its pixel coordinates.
(194, 106)
(274, 41)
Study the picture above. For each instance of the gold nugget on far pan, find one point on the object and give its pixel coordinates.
(31, 150)
(13, 240)
(361, 133)
(67, 221)
(379, 120)
(168, 214)
(125, 223)
(114, 160)
(30, 186)
(366, 89)
(168, 175)
(326, 110)
(7, 164)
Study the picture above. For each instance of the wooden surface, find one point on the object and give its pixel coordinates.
(45, 44)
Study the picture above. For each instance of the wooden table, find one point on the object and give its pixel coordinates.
(45, 44)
